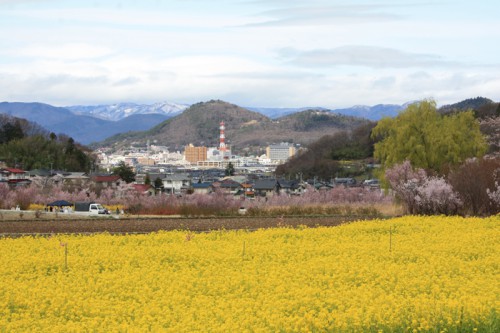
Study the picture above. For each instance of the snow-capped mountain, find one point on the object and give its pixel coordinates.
(120, 111)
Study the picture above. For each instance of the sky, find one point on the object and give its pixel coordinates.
(260, 53)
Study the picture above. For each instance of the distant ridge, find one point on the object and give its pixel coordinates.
(470, 103)
(375, 112)
(83, 129)
(92, 124)
(120, 111)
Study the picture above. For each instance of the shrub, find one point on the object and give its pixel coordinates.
(476, 182)
(436, 196)
(421, 194)
(405, 181)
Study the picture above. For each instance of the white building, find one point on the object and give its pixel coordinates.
(280, 152)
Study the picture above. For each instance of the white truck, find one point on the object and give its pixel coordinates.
(90, 207)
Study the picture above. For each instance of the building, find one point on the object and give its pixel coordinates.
(202, 188)
(194, 154)
(144, 189)
(219, 164)
(176, 183)
(146, 160)
(14, 177)
(280, 152)
(266, 187)
(98, 183)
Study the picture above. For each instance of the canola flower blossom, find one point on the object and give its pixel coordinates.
(409, 274)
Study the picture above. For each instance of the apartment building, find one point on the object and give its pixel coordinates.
(194, 154)
(280, 152)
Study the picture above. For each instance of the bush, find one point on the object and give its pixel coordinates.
(405, 181)
(436, 196)
(421, 194)
(476, 182)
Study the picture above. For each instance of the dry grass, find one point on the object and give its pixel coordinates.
(15, 215)
(384, 209)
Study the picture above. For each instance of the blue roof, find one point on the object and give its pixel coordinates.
(201, 185)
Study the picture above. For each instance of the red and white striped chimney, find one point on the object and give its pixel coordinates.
(222, 137)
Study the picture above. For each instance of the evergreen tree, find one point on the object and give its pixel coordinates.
(229, 169)
(125, 172)
(11, 131)
(158, 183)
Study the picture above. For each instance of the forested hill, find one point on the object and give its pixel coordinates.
(482, 107)
(12, 128)
(28, 146)
(199, 125)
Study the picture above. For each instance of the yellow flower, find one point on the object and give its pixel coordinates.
(441, 272)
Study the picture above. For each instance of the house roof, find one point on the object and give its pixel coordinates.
(229, 183)
(41, 173)
(76, 175)
(240, 179)
(155, 175)
(177, 177)
(291, 184)
(19, 181)
(13, 170)
(142, 187)
(105, 179)
(201, 185)
(323, 186)
(265, 184)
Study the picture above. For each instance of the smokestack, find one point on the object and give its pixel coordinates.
(222, 137)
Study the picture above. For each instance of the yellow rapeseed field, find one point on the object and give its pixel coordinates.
(409, 274)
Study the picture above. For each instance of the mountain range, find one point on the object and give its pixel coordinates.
(245, 129)
(92, 124)
(116, 112)
(120, 111)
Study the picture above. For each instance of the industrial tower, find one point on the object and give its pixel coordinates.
(222, 138)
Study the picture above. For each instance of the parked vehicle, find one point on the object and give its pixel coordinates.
(374, 183)
(90, 207)
(345, 181)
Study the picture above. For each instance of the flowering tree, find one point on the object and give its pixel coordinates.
(436, 196)
(405, 182)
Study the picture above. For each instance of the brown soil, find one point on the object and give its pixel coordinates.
(152, 224)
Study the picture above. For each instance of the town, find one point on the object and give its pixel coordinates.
(154, 170)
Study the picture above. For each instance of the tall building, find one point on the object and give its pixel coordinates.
(194, 154)
(280, 152)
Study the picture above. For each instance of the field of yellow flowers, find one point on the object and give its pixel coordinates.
(438, 274)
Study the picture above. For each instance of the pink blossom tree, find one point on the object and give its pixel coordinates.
(436, 196)
(405, 181)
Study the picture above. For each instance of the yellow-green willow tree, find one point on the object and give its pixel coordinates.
(428, 139)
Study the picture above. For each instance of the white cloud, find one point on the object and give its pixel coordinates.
(362, 55)
(326, 14)
(266, 53)
(70, 51)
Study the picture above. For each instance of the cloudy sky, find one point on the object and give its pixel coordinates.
(267, 53)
